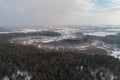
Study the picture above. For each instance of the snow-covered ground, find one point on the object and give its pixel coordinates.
(68, 32)
(111, 49)
(17, 75)
(116, 53)
(101, 34)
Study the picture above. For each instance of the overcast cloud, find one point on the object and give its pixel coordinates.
(61, 12)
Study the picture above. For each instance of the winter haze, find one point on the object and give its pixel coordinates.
(60, 12)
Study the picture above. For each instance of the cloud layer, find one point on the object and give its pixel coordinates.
(59, 12)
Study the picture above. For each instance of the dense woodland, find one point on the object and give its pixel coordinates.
(44, 64)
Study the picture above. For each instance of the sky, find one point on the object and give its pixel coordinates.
(59, 12)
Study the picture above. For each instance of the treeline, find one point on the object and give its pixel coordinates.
(112, 39)
(69, 42)
(56, 65)
(8, 36)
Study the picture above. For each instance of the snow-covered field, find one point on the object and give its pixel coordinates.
(101, 34)
(68, 32)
